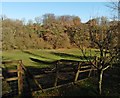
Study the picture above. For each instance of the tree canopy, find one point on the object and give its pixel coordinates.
(50, 31)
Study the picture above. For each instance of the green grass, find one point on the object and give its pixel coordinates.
(43, 55)
(84, 88)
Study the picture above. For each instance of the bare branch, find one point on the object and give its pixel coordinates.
(108, 62)
(87, 58)
(113, 6)
(93, 39)
(106, 68)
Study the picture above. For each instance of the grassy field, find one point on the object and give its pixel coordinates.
(110, 88)
(43, 55)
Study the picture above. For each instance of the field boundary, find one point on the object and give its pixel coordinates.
(23, 74)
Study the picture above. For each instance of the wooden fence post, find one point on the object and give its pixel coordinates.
(95, 63)
(20, 78)
(78, 71)
(29, 75)
(90, 71)
(56, 76)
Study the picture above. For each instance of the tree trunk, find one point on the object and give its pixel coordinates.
(100, 74)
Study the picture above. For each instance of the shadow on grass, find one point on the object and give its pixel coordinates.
(37, 55)
(42, 62)
(78, 91)
(81, 88)
(65, 55)
(111, 81)
(38, 71)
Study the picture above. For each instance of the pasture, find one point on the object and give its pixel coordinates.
(44, 55)
(36, 59)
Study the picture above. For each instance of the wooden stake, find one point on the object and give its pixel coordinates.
(20, 80)
(57, 73)
(78, 71)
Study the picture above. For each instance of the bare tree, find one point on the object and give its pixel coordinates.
(115, 7)
(104, 39)
(38, 20)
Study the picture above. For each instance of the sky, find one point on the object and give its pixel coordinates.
(30, 10)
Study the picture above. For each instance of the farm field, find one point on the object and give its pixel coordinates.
(43, 55)
(67, 54)
(59, 49)
(28, 56)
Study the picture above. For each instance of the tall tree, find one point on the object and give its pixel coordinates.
(103, 37)
(48, 19)
(115, 7)
(38, 20)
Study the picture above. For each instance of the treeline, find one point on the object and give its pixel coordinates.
(49, 32)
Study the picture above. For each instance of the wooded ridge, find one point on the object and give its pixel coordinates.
(51, 32)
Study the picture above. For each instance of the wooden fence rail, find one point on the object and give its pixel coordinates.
(59, 65)
(19, 72)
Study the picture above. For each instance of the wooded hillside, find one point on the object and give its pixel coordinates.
(50, 32)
